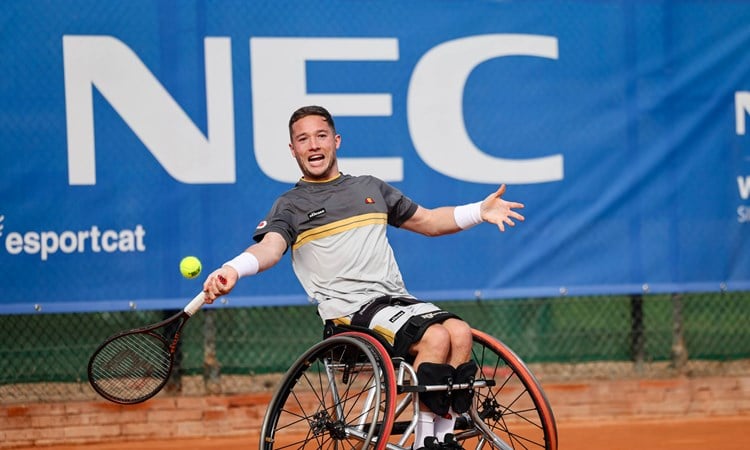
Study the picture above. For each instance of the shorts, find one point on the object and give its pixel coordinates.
(400, 322)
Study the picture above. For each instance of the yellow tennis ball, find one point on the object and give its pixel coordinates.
(190, 267)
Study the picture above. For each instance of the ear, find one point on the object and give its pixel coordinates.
(337, 138)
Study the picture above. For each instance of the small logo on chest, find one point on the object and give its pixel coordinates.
(318, 212)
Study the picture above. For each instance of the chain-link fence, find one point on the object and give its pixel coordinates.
(43, 357)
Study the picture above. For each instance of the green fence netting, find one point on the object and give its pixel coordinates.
(43, 357)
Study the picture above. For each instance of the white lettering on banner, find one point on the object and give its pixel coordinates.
(279, 87)
(435, 110)
(46, 243)
(278, 78)
(743, 214)
(154, 116)
(741, 107)
(743, 184)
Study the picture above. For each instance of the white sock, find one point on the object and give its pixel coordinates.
(425, 427)
(444, 425)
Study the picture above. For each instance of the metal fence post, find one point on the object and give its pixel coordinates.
(679, 354)
(637, 338)
(211, 366)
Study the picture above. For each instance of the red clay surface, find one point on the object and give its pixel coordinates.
(725, 433)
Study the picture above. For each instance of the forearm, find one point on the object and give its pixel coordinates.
(433, 222)
(256, 258)
(260, 256)
(449, 219)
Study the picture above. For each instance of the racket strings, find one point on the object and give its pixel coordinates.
(131, 366)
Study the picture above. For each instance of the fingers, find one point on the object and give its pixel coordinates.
(514, 205)
(218, 283)
(495, 196)
(507, 220)
(516, 216)
(501, 212)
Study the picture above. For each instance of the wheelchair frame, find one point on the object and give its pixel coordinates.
(347, 392)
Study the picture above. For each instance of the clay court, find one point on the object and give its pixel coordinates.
(668, 414)
(726, 433)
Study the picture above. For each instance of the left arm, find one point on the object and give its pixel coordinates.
(443, 220)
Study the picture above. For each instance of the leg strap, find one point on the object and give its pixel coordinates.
(428, 373)
(414, 329)
(461, 398)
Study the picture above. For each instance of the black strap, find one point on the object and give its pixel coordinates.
(410, 333)
(363, 317)
(415, 327)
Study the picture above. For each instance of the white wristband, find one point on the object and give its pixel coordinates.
(245, 264)
(466, 216)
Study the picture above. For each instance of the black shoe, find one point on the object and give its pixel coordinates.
(450, 443)
(430, 443)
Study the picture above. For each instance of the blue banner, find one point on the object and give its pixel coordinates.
(136, 133)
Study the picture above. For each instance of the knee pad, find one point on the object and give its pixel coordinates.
(461, 398)
(428, 373)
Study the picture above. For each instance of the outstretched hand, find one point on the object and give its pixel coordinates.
(500, 212)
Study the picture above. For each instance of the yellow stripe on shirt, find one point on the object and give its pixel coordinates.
(340, 226)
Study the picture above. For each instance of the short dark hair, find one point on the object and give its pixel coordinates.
(311, 110)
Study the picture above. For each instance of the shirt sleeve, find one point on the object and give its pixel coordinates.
(279, 219)
(400, 207)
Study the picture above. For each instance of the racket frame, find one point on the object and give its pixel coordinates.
(182, 316)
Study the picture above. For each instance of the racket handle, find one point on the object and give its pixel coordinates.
(195, 304)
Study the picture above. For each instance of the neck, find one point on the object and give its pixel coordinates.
(321, 180)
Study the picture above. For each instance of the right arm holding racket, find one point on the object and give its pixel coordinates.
(134, 365)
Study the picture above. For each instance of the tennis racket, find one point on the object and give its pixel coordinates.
(132, 366)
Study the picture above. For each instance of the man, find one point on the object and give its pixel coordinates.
(335, 225)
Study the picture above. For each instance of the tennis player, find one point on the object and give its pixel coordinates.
(335, 225)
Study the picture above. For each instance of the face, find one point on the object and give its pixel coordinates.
(314, 146)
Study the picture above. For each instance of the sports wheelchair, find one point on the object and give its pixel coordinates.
(347, 392)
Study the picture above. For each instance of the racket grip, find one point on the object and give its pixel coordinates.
(195, 304)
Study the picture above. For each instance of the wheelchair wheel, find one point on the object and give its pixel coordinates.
(513, 412)
(340, 394)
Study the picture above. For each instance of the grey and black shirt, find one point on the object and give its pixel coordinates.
(337, 232)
